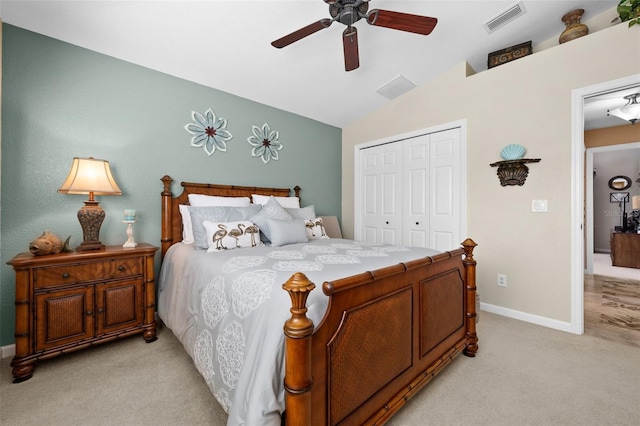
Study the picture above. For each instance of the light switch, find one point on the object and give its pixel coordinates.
(540, 206)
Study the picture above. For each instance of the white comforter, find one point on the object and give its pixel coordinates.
(228, 309)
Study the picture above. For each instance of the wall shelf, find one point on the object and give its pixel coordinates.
(513, 172)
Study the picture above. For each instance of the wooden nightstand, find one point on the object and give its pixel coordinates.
(70, 301)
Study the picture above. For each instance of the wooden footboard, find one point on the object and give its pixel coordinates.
(384, 336)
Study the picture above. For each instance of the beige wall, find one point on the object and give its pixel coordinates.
(527, 101)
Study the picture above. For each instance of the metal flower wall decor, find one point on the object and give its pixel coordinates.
(208, 131)
(265, 143)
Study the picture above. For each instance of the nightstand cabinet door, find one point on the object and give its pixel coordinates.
(119, 305)
(64, 317)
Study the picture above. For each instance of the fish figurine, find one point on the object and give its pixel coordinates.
(48, 243)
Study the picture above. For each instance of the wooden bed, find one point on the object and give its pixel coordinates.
(349, 369)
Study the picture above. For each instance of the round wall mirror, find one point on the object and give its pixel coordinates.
(619, 183)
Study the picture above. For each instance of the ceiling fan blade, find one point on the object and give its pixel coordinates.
(350, 43)
(402, 21)
(301, 33)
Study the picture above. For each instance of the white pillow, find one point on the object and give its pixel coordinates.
(201, 200)
(315, 229)
(187, 228)
(286, 202)
(231, 235)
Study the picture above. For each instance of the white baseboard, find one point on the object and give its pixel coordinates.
(523, 316)
(7, 351)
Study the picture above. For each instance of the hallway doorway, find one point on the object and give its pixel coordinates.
(581, 202)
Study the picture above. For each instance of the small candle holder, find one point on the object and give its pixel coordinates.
(129, 219)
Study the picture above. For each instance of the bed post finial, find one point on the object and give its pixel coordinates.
(166, 239)
(298, 329)
(470, 267)
(166, 182)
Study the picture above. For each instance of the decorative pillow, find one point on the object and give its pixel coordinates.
(200, 200)
(231, 235)
(216, 214)
(315, 229)
(244, 213)
(187, 229)
(199, 215)
(305, 213)
(271, 210)
(287, 202)
(285, 232)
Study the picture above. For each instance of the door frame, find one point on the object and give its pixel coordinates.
(458, 124)
(578, 207)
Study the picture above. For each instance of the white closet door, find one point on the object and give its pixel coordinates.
(381, 193)
(445, 189)
(415, 192)
(411, 192)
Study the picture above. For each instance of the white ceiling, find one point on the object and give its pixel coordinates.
(226, 44)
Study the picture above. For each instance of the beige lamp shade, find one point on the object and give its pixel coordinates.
(88, 175)
(635, 202)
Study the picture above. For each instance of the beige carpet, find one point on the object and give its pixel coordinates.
(621, 303)
(523, 375)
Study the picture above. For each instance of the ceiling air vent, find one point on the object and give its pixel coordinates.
(505, 17)
(395, 87)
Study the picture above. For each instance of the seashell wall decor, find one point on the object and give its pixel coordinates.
(512, 152)
(513, 172)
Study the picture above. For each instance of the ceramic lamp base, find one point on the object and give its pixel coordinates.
(90, 216)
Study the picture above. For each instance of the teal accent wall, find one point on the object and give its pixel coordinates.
(61, 101)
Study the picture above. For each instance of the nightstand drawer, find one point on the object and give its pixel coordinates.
(69, 274)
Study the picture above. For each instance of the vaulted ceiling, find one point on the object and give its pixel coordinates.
(226, 44)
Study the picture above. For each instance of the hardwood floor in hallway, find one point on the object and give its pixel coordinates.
(596, 324)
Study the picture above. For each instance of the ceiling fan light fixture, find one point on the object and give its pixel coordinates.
(630, 111)
(348, 12)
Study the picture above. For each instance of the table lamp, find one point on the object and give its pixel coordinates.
(93, 177)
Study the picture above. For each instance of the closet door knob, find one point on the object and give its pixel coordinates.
(417, 223)
(387, 222)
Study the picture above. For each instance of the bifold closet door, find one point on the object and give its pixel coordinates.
(411, 192)
(381, 182)
(445, 190)
(415, 192)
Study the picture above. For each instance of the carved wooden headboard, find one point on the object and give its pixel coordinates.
(171, 218)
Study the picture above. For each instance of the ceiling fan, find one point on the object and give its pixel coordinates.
(348, 12)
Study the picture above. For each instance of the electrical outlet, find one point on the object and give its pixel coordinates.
(502, 280)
